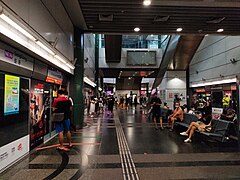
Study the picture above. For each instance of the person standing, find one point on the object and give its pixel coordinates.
(156, 110)
(225, 101)
(111, 104)
(135, 102)
(63, 105)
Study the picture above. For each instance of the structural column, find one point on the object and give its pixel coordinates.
(78, 84)
(96, 62)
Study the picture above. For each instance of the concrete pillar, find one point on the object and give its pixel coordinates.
(78, 84)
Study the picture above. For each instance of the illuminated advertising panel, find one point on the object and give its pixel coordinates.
(11, 95)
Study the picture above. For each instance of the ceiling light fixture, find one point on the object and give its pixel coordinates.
(225, 81)
(136, 29)
(147, 2)
(220, 30)
(179, 29)
(89, 82)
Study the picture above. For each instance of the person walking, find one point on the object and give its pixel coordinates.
(156, 110)
(63, 105)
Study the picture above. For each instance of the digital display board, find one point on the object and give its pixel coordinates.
(54, 77)
(11, 95)
(141, 58)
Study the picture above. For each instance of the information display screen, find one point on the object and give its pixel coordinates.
(11, 95)
(141, 58)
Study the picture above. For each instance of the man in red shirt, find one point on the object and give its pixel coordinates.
(63, 105)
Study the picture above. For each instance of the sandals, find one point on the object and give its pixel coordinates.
(62, 148)
(70, 146)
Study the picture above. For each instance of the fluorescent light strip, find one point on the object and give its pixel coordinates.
(7, 31)
(60, 59)
(16, 26)
(70, 65)
(88, 81)
(233, 80)
(45, 48)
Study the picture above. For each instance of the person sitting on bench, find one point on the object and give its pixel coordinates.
(199, 125)
(176, 116)
(229, 115)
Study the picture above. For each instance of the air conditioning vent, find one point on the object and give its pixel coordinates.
(105, 17)
(161, 18)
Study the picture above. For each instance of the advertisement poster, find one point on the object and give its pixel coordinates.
(37, 114)
(11, 96)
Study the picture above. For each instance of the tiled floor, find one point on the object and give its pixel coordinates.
(126, 146)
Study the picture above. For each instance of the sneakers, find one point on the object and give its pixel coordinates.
(184, 134)
(62, 148)
(187, 140)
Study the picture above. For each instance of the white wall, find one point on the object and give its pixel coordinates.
(212, 59)
(123, 62)
(49, 19)
(89, 52)
(174, 82)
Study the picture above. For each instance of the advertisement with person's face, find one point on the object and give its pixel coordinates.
(36, 110)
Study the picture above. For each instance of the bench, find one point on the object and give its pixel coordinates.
(187, 120)
(165, 113)
(220, 130)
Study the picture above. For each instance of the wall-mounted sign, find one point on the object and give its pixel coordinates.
(18, 59)
(11, 95)
(233, 87)
(54, 77)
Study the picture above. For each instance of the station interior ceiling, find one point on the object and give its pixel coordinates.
(119, 17)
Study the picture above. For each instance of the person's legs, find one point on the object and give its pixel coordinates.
(67, 129)
(61, 139)
(193, 124)
(172, 121)
(69, 138)
(161, 126)
(155, 121)
(192, 132)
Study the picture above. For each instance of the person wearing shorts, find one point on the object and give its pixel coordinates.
(176, 116)
(156, 110)
(62, 104)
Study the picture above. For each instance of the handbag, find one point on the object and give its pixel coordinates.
(57, 117)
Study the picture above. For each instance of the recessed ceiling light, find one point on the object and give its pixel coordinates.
(220, 30)
(179, 29)
(146, 2)
(136, 29)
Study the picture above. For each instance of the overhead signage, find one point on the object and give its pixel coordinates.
(54, 77)
(11, 95)
(17, 59)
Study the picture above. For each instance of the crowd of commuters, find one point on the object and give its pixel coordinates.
(96, 105)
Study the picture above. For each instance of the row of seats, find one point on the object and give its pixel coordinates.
(221, 130)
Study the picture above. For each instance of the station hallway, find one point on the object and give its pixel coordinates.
(127, 146)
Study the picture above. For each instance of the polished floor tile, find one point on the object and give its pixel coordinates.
(156, 154)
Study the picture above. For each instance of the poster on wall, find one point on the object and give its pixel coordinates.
(37, 116)
(11, 95)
